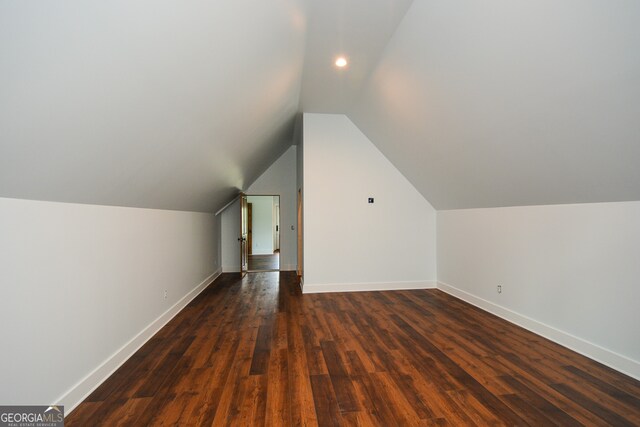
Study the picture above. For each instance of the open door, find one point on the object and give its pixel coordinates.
(299, 233)
(244, 231)
(276, 220)
(249, 227)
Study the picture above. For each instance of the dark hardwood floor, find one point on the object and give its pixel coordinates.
(264, 262)
(254, 351)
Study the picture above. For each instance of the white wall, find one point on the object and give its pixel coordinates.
(173, 109)
(298, 140)
(570, 272)
(262, 223)
(348, 243)
(280, 179)
(79, 282)
(229, 234)
(510, 103)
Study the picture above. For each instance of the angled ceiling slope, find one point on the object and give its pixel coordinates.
(178, 105)
(502, 103)
(171, 105)
(357, 29)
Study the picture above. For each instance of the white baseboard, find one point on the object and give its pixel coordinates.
(361, 287)
(288, 267)
(73, 397)
(593, 351)
(231, 269)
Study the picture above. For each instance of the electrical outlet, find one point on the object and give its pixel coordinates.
(499, 289)
(165, 294)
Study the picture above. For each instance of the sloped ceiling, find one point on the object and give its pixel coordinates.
(357, 29)
(502, 102)
(160, 104)
(169, 104)
(179, 105)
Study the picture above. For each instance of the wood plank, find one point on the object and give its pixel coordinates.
(342, 386)
(591, 405)
(325, 401)
(539, 403)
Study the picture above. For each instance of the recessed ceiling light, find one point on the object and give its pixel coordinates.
(341, 62)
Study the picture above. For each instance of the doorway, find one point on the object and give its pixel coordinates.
(263, 233)
(299, 233)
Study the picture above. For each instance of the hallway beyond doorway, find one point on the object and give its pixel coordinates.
(264, 262)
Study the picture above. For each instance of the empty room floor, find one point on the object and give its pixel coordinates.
(254, 351)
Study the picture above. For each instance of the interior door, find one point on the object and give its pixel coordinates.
(249, 228)
(244, 230)
(276, 245)
(300, 237)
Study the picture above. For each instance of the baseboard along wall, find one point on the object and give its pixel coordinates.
(79, 392)
(363, 287)
(593, 351)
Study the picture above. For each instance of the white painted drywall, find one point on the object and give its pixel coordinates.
(80, 281)
(574, 268)
(229, 234)
(358, 29)
(297, 139)
(171, 105)
(262, 222)
(510, 103)
(280, 179)
(348, 241)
